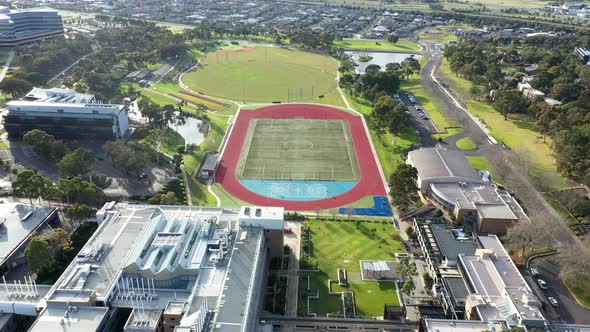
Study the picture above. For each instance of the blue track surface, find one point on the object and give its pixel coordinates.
(298, 190)
(381, 208)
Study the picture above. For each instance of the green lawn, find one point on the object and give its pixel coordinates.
(466, 143)
(580, 289)
(336, 244)
(264, 74)
(518, 132)
(384, 45)
(480, 163)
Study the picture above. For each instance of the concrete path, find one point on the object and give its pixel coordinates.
(292, 240)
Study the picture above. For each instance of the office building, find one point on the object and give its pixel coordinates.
(453, 184)
(19, 27)
(476, 278)
(167, 268)
(65, 113)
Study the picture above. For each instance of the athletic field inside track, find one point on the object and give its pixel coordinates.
(301, 157)
(298, 149)
(264, 74)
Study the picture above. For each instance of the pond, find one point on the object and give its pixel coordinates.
(378, 58)
(190, 131)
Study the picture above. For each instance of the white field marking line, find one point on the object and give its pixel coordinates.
(348, 151)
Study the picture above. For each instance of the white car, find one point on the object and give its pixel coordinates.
(542, 284)
(553, 301)
(534, 272)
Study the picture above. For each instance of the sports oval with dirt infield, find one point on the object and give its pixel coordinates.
(302, 157)
(264, 74)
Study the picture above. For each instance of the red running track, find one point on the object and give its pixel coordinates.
(370, 183)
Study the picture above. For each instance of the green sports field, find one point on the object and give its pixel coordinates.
(264, 74)
(298, 149)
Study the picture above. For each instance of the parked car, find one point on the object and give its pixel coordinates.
(424, 117)
(534, 272)
(542, 284)
(553, 301)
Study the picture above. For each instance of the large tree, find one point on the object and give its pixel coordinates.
(30, 184)
(76, 190)
(37, 254)
(15, 87)
(402, 184)
(45, 145)
(509, 101)
(77, 163)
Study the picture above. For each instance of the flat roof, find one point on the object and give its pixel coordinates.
(459, 325)
(448, 245)
(497, 279)
(81, 319)
(441, 163)
(262, 212)
(141, 319)
(18, 222)
(457, 289)
(213, 261)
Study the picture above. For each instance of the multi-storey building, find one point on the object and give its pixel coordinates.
(19, 27)
(65, 113)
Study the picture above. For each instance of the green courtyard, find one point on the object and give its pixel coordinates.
(343, 244)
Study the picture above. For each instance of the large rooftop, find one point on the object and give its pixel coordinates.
(440, 163)
(494, 278)
(17, 222)
(77, 319)
(169, 255)
(452, 243)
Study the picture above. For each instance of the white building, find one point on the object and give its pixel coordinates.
(19, 27)
(65, 113)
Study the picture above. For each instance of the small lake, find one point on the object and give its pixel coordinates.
(379, 58)
(190, 131)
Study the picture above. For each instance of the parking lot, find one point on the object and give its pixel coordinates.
(567, 310)
(423, 124)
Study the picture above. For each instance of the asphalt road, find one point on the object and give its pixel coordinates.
(424, 128)
(568, 310)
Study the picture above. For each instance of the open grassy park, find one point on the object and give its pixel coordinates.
(379, 45)
(342, 244)
(264, 74)
(518, 132)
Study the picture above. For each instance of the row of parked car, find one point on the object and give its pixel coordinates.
(413, 101)
(544, 286)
